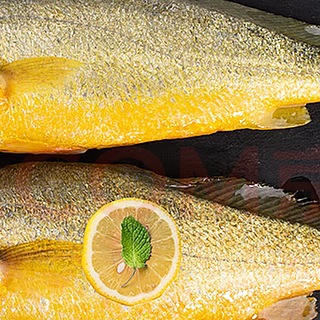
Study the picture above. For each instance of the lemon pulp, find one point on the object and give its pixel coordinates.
(102, 261)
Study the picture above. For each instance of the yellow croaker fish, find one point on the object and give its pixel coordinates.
(87, 74)
(234, 264)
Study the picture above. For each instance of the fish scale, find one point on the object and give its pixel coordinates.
(176, 69)
(234, 264)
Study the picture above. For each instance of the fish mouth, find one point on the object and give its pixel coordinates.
(285, 117)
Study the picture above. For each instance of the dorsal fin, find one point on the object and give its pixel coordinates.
(257, 198)
(292, 28)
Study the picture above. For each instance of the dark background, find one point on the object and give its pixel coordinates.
(273, 157)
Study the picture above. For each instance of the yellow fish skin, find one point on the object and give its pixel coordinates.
(143, 70)
(234, 264)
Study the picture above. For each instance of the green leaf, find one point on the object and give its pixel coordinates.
(135, 240)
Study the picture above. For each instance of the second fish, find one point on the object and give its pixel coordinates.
(94, 74)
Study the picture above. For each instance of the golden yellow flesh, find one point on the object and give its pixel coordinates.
(233, 263)
(148, 72)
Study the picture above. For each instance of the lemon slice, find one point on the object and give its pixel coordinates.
(102, 261)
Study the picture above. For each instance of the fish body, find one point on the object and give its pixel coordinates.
(234, 264)
(87, 74)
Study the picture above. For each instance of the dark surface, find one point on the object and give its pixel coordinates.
(273, 157)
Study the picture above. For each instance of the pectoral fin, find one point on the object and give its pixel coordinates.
(285, 117)
(298, 308)
(35, 75)
(39, 266)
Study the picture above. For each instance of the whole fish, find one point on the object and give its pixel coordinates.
(234, 264)
(87, 74)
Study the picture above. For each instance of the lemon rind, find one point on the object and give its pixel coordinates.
(94, 278)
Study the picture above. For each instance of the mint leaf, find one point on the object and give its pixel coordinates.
(135, 240)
